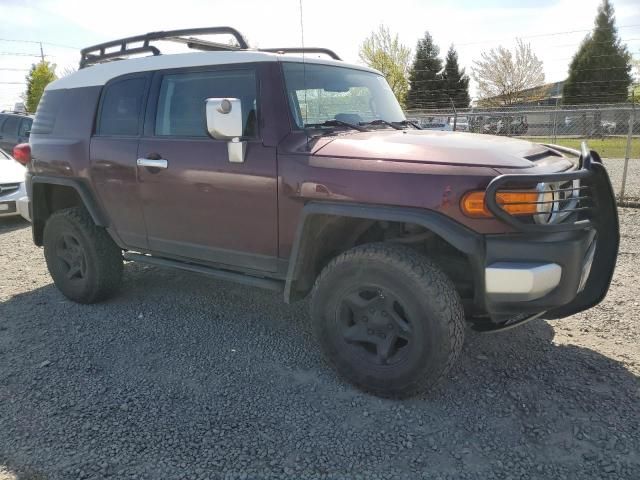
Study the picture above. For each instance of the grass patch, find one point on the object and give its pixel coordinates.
(608, 147)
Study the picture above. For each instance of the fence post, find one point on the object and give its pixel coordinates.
(627, 152)
(555, 123)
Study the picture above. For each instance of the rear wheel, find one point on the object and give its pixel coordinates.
(83, 260)
(387, 319)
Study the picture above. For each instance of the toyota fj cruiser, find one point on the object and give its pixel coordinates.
(302, 175)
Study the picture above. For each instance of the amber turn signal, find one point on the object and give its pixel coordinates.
(515, 203)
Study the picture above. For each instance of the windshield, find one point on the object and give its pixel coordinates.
(322, 93)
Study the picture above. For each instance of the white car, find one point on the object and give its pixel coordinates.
(13, 193)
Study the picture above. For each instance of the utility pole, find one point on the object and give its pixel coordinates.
(41, 53)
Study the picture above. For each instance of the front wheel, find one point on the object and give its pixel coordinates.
(388, 319)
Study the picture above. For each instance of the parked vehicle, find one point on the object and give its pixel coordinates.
(12, 186)
(461, 123)
(302, 175)
(15, 128)
(436, 123)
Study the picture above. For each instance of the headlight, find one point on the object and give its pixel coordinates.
(547, 203)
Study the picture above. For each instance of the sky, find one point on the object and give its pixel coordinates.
(554, 28)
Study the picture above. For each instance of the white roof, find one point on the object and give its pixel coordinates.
(100, 74)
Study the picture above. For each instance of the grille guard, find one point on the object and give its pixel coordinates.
(594, 180)
(603, 218)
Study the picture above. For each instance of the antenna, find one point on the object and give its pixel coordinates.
(304, 74)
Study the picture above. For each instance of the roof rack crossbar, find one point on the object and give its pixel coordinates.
(324, 51)
(97, 53)
(200, 44)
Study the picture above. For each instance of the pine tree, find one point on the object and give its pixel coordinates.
(40, 75)
(425, 79)
(600, 71)
(456, 80)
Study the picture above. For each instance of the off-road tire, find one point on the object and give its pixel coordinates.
(101, 256)
(432, 303)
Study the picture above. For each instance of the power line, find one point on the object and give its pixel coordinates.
(20, 54)
(15, 40)
(552, 34)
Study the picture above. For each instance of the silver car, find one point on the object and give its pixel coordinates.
(13, 193)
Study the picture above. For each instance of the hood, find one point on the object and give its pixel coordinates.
(11, 171)
(448, 148)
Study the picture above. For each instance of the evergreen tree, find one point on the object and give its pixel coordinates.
(456, 80)
(425, 79)
(40, 75)
(600, 71)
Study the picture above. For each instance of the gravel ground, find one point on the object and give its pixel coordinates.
(615, 167)
(185, 377)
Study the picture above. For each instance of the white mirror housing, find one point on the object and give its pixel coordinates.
(224, 118)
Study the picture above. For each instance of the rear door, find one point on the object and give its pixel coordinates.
(201, 206)
(114, 148)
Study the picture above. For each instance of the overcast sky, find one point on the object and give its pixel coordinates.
(553, 27)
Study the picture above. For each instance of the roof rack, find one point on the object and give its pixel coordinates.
(99, 54)
(15, 112)
(324, 51)
(126, 47)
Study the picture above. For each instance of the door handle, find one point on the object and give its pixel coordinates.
(153, 162)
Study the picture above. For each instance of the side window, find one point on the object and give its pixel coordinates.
(10, 126)
(122, 107)
(181, 103)
(25, 127)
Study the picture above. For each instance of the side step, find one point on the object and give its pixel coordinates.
(245, 279)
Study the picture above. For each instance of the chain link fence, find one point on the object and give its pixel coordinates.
(611, 130)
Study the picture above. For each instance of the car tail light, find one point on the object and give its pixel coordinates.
(513, 202)
(22, 153)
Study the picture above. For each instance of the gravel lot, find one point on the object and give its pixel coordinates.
(615, 167)
(185, 377)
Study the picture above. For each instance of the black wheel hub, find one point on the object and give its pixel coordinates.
(71, 257)
(373, 321)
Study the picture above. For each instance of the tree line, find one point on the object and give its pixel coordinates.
(600, 71)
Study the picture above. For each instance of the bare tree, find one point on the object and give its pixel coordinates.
(383, 51)
(507, 78)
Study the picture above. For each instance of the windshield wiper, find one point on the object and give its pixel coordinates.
(380, 121)
(406, 123)
(336, 123)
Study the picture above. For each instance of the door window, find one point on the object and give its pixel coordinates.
(121, 109)
(181, 103)
(25, 127)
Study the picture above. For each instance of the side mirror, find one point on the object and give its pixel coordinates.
(224, 122)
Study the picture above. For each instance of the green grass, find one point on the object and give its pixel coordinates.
(608, 147)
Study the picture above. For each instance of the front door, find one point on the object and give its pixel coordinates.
(198, 205)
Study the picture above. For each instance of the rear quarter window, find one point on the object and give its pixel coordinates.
(47, 112)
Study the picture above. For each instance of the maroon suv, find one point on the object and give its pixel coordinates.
(302, 175)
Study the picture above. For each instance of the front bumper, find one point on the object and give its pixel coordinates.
(9, 201)
(559, 269)
(531, 275)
